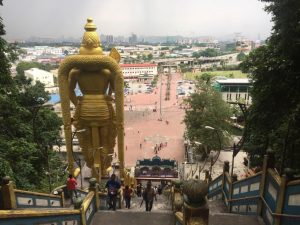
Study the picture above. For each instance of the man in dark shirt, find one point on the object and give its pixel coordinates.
(113, 187)
(148, 196)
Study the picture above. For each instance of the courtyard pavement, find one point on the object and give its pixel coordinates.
(144, 130)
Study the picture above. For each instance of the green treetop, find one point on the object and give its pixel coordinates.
(274, 116)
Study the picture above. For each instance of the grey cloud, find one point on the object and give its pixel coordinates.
(55, 18)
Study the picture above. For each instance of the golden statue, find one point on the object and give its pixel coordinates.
(98, 77)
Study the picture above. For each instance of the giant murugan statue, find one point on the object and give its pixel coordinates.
(96, 122)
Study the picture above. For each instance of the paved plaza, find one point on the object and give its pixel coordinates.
(144, 130)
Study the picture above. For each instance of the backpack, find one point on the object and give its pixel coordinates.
(112, 190)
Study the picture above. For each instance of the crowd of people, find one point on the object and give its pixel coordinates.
(147, 194)
(159, 147)
(114, 187)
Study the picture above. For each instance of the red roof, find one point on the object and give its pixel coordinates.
(139, 65)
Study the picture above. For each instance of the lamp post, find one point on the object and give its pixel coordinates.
(220, 146)
(233, 155)
(198, 167)
(48, 173)
(184, 165)
(160, 97)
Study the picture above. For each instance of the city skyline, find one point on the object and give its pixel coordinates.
(192, 18)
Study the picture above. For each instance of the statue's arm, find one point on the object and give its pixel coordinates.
(72, 85)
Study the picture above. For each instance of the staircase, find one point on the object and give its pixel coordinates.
(161, 214)
(218, 215)
(131, 217)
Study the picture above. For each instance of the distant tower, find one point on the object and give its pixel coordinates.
(133, 39)
(110, 39)
(238, 36)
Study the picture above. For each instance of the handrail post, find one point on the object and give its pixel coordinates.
(266, 165)
(94, 186)
(233, 179)
(282, 191)
(225, 169)
(62, 195)
(8, 194)
(280, 200)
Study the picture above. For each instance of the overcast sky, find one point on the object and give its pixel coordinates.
(57, 18)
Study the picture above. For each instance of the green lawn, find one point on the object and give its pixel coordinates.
(229, 74)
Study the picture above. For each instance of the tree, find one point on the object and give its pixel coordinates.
(23, 155)
(207, 109)
(150, 57)
(144, 57)
(126, 84)
(22, 66)
(274, 117)
(241, 56)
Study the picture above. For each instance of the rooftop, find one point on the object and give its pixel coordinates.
(139, 65)
(234, 81)
(36, 71)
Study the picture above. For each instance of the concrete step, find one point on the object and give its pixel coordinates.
(231, 219)
(132, 217)
(217, 206)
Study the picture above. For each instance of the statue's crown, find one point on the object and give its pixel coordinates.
(90, 44)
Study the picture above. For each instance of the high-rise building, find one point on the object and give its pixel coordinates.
(109, 39)
(133, 39)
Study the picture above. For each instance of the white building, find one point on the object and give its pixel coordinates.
(42, 76)
(139, 71)
(234, 90)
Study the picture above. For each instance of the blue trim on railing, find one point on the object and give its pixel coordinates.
(246, 196)
(226, 187)
(244, 187)
(214, 193)
(290, 221)
(81, 193)
(215, 184)
(267, 216)
(57, 219)
(271, 184)
(92, 207)
(291, 209)
(33, 201)
(245, 206)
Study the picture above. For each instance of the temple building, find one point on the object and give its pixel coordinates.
(156, 169)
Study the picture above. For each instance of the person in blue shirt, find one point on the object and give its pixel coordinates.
(113, 187)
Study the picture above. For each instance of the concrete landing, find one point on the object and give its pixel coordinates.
(231, 219)
(133, 218)
(216, 206)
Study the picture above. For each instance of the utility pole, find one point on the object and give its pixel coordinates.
(160, 97)
(233, 155)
